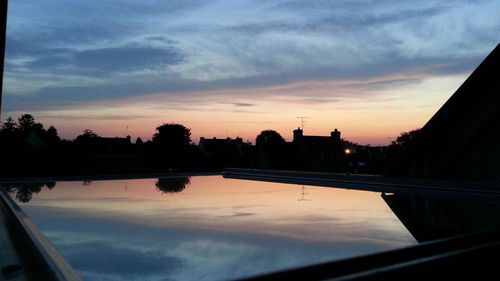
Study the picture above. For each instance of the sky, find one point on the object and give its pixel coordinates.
(226, 68)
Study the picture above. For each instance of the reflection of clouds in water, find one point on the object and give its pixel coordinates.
(239, 214)
(125, 262)
(310, 229)
(203, 233)
(102, 249)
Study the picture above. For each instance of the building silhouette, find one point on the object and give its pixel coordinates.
(113, 145)
(461, 140)
(318, 153)
(433, 217)
(228, 152)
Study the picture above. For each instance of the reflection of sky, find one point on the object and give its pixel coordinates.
(215, 229)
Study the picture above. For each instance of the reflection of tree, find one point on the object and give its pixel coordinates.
(172, 185)
(87, 182)
(23, 192)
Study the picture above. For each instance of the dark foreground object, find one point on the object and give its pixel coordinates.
(461, 140)
(470, 257)
(369, 182)
(25, 254)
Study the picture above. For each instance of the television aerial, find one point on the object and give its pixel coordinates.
(302, 121)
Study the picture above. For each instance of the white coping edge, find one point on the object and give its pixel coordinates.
(57, 265)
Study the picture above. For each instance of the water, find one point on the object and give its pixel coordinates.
(206, 227)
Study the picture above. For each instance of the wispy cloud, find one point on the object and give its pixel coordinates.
(241, 104)
(100, 62)
(69, 55)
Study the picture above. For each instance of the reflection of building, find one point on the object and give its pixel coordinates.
(323, 153)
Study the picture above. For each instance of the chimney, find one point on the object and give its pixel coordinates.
(335, 135)
(297, 134)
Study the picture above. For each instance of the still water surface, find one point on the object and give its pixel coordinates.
(207, 227)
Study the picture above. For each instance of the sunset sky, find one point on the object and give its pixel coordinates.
(231, 68)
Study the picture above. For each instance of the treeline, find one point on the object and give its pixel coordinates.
(30, 150)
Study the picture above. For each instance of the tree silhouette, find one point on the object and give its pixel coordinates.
(51, 136)
(171, 144)
(402, 140)
(406, 138)
(26, 123)
(270, 145)
(87, 133)
(172, 185)
(86, 136)
(269, 137)
(10, 134)
(172, 135)
(23, 192)
(9, 126)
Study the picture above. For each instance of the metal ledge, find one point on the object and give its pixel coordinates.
(39, 260)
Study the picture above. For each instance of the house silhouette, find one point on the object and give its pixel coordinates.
(461, 141)
(228, 152)
(319, 153)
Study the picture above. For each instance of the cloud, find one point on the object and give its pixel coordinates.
(161, 39)
(100, 62)
(303, 85)
(123, 250)
(121, 261)
(179, 48)
(240, 214)
(91, 116)
(241, 104)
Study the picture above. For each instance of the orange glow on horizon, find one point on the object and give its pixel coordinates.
(373, 118)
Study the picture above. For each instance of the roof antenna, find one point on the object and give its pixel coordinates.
(302, 121)
(303, 194)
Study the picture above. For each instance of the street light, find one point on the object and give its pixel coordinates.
(348, 159)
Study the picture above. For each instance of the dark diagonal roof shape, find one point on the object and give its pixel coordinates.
(462, 140)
